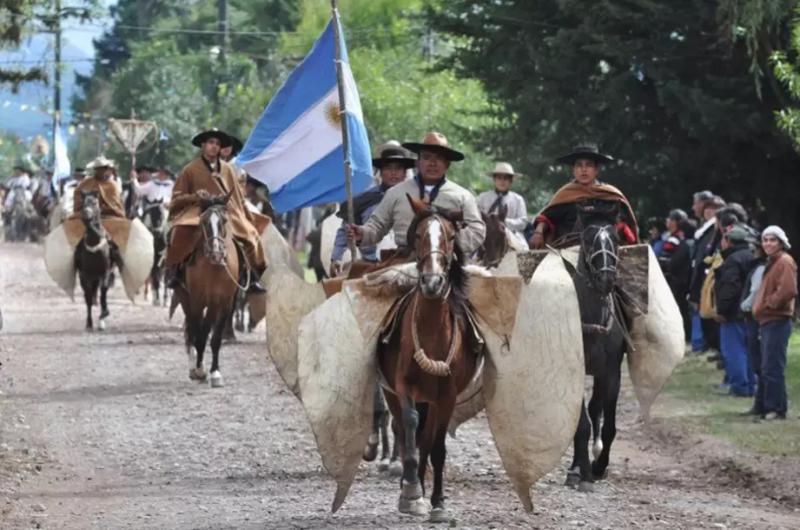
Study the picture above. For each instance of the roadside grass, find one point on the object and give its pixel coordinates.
(690, 400)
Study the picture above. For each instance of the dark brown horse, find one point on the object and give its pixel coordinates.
(429, 361)
(93, 259)
(209, 289)
(495, 244)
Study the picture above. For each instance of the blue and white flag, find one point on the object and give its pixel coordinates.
(296, 146)
(61, 165)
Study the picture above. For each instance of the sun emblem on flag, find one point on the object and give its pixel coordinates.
(332, 114)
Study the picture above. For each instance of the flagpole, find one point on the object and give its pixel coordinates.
(348, 172)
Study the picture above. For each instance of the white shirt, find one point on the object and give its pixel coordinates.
(517, 216)
(154, 190)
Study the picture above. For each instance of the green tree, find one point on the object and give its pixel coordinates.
(675, 90)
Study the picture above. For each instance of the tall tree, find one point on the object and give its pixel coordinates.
(676, 90)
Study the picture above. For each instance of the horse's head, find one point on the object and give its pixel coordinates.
(495, 245)
(432, 234)
(214, 221)
(90, 207)
(153, 215)
(599, 252)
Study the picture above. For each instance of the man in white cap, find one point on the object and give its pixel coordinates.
(493, 201)
(430, 185)
(773, 309)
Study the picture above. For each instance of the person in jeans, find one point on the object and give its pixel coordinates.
(753, 340)
(773, 309)
(729, 283)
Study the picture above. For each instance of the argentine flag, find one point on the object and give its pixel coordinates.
(296, 146)
(61, 165)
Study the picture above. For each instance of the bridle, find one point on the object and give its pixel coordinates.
(93, 223)
(448, 253)
(610, 258)
(219, 237)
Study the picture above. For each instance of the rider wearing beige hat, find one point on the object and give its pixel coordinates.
(501, 197)
(431, 185)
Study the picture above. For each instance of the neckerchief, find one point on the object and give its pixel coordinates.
(433, 193)
(498, 201)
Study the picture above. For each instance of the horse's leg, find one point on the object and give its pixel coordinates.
(104, 313)
(610, 396)
(194, 330)
(426, 431)
(439, 513)
(411, 500)
(595, 413)
(216, 342)
(582, 476)
(88, 297)
(371, 450)
(383, 427)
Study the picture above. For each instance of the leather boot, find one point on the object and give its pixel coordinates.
(172, 276)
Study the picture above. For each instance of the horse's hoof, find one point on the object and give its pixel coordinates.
(383, 465)
(439, 515)
(197, 374)
(104, 315)
(216, 379)
(371, 450)
(584, 486)
(395, 468)
(598, 474)
(573, 478)
(101, 325)
(418, 507)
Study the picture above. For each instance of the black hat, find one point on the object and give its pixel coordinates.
(224, 139)
(78, 171)
(395, 155)
(236, 144)
(436, 142)
(166, 170)
(586, 152)
(145, 167)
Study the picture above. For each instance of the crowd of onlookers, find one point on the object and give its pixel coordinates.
(736, 287)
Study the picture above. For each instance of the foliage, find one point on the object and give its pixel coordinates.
(787, 71)
(661, 85)
(392, 52)
(161, 60)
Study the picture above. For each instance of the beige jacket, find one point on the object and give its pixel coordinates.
(394, 213)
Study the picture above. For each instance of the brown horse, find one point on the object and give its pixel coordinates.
(209, 289)
(495, 244)
(429, 361)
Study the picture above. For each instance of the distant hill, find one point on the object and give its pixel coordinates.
(36, 98)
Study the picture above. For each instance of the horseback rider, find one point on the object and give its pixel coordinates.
(152, 189)
(560, 216)
(431, 185)
(392, 164)
(200, 180)
(19, 183)
(491, 201)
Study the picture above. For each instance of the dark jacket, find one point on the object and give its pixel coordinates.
(730, 279)
(704, 247)
(676, 263)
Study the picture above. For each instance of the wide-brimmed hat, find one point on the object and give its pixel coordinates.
(390, 153)
(503, 168)
(585, 152)
(223, 137)
(437, 142)
(100, 161)
(79, 171)
(236, 144)
(145, 167)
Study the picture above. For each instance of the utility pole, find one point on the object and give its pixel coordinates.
(222, 45)
(57, 70)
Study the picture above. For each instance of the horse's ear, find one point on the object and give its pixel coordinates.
(417, 205)
(502, 213)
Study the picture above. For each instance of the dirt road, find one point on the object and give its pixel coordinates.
(105, 430)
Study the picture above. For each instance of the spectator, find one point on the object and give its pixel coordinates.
(753, 341)
(729, 283)
(706, 244)
(699, 201)
(676, 262)
(773, 308)
(656, 235)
